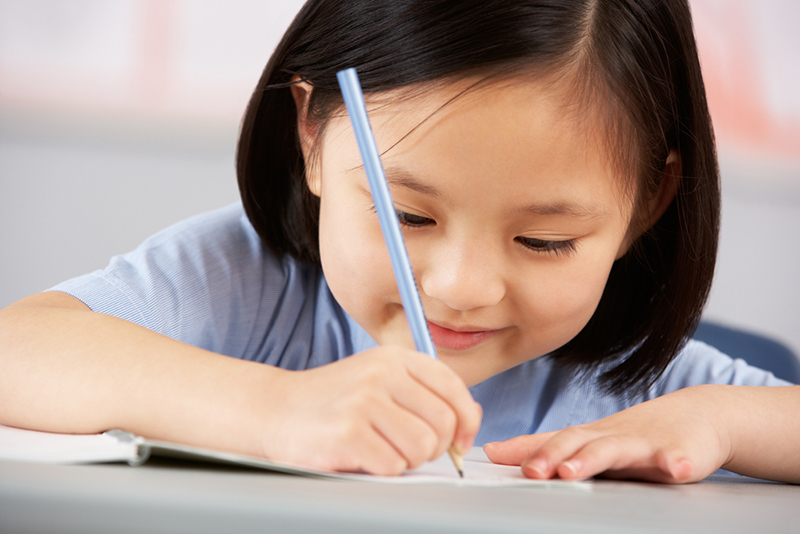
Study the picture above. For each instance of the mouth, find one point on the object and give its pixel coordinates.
(448, 338)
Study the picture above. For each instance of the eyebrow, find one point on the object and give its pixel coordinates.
(400, 177)
(585, 211)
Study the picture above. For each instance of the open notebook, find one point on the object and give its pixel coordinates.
(120, 446)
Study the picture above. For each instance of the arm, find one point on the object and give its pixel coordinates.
(680, 437)
(68, 369)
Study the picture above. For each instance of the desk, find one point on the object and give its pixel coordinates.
(175, 497)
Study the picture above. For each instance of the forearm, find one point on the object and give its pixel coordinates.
(763, 425)
(68, 369)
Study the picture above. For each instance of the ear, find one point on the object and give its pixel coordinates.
(301, 93)
(658, 204)
(670, 183)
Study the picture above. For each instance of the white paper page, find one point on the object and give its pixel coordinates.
(45, 447)
(478, 471)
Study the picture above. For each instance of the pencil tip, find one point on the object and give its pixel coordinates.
(461, 473)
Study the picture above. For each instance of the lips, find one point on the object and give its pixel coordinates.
(446, 338)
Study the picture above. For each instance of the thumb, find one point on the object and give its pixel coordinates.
(516, 450)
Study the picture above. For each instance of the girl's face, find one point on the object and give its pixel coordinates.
(512, 215)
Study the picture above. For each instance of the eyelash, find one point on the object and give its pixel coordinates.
(566, 247)
(414, 221)
(556, 248)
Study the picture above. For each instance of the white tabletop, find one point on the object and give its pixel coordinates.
(178, 497)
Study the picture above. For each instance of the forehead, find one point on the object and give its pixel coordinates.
(520, 132)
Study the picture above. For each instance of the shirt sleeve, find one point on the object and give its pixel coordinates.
(209, 282)
(699, 363)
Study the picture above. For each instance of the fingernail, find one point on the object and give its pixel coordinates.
(538, 466)
(463, 444)
(682, 470)
(573, 466)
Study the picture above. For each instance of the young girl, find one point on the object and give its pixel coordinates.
(553, 166)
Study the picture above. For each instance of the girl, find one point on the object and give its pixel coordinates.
(553, 165)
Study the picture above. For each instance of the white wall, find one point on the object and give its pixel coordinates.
(118, 118)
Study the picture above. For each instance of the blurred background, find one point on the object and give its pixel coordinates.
(119, 118)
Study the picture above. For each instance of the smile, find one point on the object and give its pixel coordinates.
(446, 338)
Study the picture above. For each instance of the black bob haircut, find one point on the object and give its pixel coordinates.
(641, 54)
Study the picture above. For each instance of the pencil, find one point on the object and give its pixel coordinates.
(401, 265)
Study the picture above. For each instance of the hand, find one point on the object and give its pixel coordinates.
(381, 411)
(670, 439)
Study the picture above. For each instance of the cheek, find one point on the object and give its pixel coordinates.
(580, 295)
(355, 260)
(563, 304)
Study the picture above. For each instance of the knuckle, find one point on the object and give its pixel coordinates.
(424, 450)
(588, 456)
(614, 441)
(356, 406)
(416, 460)
(350, 431)
(428, 445)
(389, 467)
(445, 420)
(421, 445)
(398, 466)
(577, 433)
(372, 375)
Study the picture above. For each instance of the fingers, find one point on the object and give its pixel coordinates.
(441, 380)
(668, 439)
(578, 453)
(675, 470)
(439, 398)
(370, 433)
(599, 455)
(381, 411)
(371, 452)
(516, 450)
(560, 448)
(426, 427)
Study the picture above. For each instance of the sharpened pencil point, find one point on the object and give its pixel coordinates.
(458, 461)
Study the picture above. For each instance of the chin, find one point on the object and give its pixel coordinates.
(470, 371)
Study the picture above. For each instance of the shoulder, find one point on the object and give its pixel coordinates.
(208, 281)
(208, 251)
(223, 235)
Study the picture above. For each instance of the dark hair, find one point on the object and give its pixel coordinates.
(640, 54)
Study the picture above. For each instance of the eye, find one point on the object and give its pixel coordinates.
(407, 219)
(550, 247)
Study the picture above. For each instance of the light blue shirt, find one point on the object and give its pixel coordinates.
(210, 282)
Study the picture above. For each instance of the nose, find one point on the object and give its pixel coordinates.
(464, 275)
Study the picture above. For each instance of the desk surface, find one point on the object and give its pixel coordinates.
(184, 497)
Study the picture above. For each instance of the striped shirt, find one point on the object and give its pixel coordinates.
(210, 282)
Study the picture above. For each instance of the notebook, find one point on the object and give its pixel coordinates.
(120, 446)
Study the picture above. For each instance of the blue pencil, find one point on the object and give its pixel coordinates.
(387, 216)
